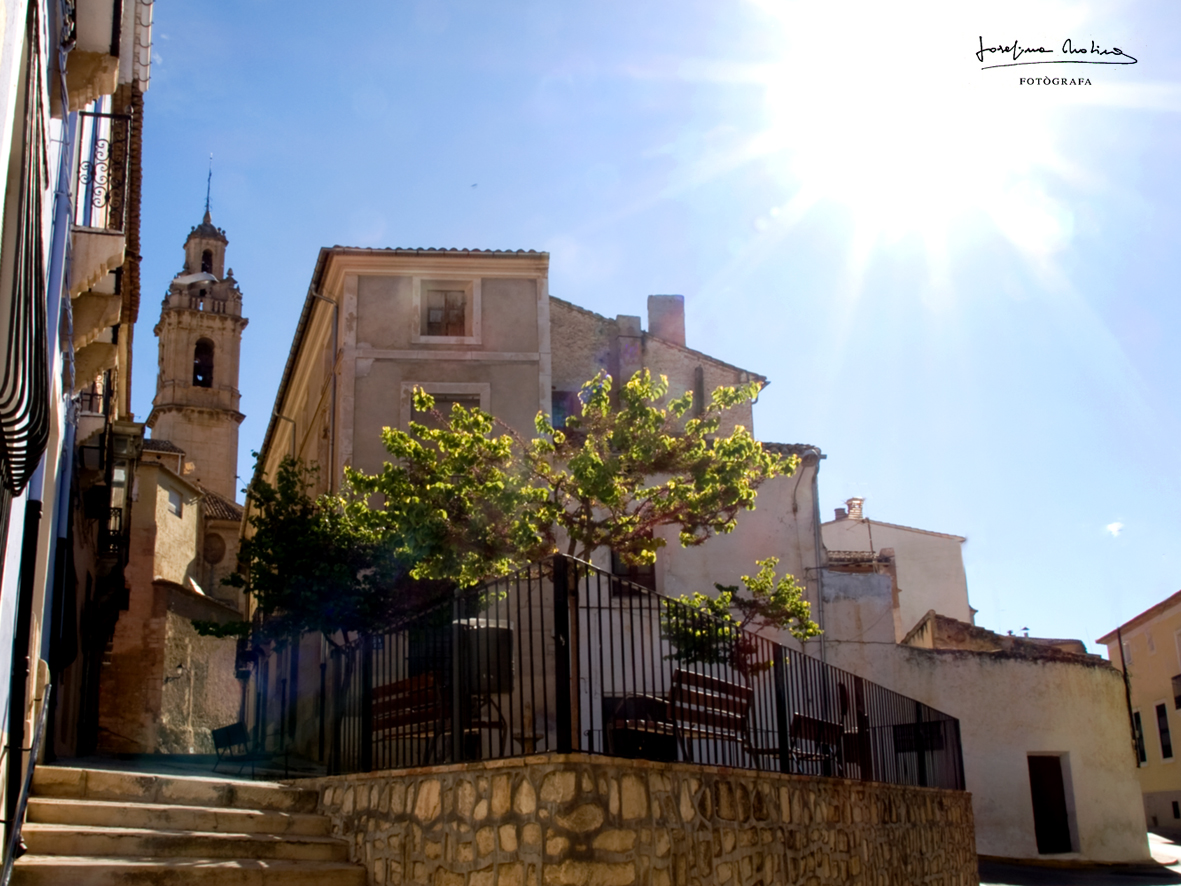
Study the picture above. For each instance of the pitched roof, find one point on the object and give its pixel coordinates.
(1144, 617)
(688, 350)
(219, 508)
(895, 526)
(153, 445)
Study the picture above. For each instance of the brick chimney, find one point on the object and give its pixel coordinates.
(854, 505)
(666, 317)
(842, 514)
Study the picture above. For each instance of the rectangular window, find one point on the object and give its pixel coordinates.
(446, 312)
(443, 404)
(1141, 755)
(563, 405)
(1176, 809)
(1162, 725)
(1177, 692)
(175, 503)
(643, 575)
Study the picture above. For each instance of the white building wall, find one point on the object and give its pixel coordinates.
(930, 565)
(1008, 708)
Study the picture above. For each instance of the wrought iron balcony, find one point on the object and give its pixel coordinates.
(104, 155)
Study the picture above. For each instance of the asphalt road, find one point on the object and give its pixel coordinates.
(1166, 870)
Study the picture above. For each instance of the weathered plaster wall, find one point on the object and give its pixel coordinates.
(781, 525)
(204, 695)
(579, 820)
(584, 343)
(1009, 707)
(930, 565)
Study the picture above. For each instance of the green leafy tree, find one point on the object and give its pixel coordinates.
(469, 499)
(618, 472)
(723, 638)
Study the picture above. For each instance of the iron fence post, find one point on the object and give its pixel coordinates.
(562, 667)
(456, 683)
(366, 693)
(781, 716)
(920, 745)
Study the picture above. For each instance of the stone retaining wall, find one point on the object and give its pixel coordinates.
(578, 820)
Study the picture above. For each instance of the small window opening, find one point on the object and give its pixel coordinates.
(203, 364)
(1162, 726)
(207, 262)
(1176, 809)
(643, 575)
(175, 503)
(1141, 753)
(446, 312)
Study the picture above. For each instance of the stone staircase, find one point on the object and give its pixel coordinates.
(93, 827)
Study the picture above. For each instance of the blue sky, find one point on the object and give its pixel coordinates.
(962, 287)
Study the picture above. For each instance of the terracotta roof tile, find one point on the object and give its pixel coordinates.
(220, 508)
(152, 445)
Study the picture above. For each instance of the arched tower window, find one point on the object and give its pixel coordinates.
(207, 261)
(203, 364)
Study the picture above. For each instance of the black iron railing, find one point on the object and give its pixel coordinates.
(565, 657)
(104, 153)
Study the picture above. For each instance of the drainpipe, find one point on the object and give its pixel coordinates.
(332, 408)
(1119, 637)
(819, 554)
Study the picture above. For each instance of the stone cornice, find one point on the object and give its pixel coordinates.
(341, 262)
(197, 410)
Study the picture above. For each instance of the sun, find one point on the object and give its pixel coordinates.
(882, 108)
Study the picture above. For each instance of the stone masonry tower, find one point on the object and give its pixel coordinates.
(200, 332)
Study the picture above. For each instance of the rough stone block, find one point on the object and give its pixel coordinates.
(587, 817)
(633, 797)
(558, 787)
(615, 841)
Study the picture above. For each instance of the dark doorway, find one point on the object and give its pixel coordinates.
(1050, 822)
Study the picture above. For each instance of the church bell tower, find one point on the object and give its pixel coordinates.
(200, 333)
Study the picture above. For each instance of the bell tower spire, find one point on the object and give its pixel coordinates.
(200, 333)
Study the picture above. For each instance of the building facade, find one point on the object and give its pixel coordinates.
(72, 80)
(163, 687)
(1147, 650)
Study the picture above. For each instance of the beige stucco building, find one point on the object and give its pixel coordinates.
(930, 565)
(481, 328)
(1147, 649)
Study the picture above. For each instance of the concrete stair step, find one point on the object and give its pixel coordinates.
(55, 870)
(99, 813)
(78, 840)
(133, 787)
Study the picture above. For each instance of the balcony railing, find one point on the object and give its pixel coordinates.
(104, 153)
(564, 657)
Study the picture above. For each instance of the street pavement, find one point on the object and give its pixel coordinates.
(1166, 870)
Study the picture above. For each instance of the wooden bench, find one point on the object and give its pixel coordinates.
(698, 707)
(417, 708)
(232, 744)
(824, 742)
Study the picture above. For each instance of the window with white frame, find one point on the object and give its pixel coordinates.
(448, 312)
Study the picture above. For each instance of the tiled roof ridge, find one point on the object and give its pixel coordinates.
(423, 250)
(218, 507)
(152, 444)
